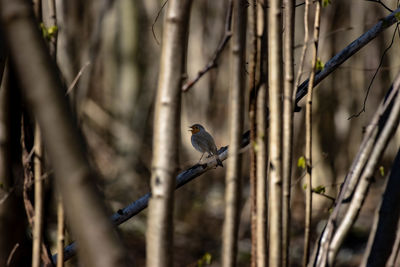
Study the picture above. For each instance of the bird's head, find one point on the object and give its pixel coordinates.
(195, 128)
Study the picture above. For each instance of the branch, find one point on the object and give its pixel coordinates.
(213, 62)
(347, 52)
(386, 219)
(381, 3)
(140, 204)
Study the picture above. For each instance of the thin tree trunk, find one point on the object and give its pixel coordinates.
(262, 137)
(236, 99)
(167, 134)
(98, 243)
(275, 81)
(308, 154)
(38, 182)
(60, 232)
(288, 100)
(253, 129)
(262, 160)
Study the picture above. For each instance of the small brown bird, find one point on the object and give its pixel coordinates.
(203, 141)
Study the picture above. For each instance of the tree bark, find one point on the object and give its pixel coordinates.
(275, 81)
(308, 152)
(288, 99)
(236, 100)
(253, 83)
(167, 134)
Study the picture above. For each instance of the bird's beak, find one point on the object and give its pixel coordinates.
(191, 129)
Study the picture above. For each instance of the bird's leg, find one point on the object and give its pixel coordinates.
(201, 157)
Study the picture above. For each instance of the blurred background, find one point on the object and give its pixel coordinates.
(117, 48)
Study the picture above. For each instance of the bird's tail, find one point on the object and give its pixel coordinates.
(219, 162)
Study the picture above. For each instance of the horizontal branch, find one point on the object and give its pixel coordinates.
(140, 204)
(347, 52)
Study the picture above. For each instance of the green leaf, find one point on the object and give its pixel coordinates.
(319, 65)
(255, 146)
(48, 33)
(382, 171)
(304, 186)
(319, 189)
(52, 31)
(397, 16)
(301, 162)
(205, 260)
(325, 3)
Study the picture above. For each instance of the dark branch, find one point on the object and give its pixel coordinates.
(155, 20)
(381, 3)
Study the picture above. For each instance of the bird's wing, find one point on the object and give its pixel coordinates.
(198, 143)
(210, 144)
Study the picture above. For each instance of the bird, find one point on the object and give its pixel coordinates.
(203, 141)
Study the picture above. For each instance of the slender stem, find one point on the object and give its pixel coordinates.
(60, 231)
(287, 124)
(275, 84)
(308, 154)
(253, 129)
(38, 181)
(236, 100)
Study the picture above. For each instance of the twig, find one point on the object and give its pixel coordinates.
(155, 20)
(213, 62)
(6, 195)
(324, 195)
(373, 77)
(77, 78)
(381, 3)
(12, 254)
